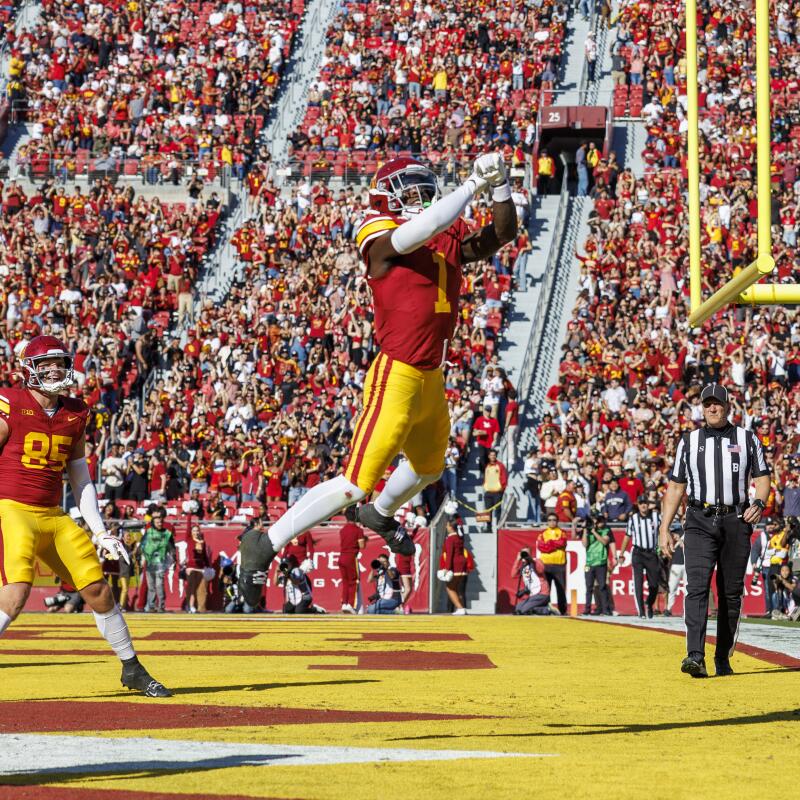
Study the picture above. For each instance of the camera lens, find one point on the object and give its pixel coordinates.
(375, 564)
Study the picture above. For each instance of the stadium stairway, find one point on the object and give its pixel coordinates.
(305, 69)
(571, 81)
(548, 351)
(482, 585)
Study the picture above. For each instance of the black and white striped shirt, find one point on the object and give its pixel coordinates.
(717, 464)
(643, 529)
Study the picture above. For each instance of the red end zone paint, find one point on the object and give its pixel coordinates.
(406, 637)
(417, 660)
(387, 659)
(74, 793)
(196, 636)
(69, 716)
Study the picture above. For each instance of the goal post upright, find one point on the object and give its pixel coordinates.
(744, 287)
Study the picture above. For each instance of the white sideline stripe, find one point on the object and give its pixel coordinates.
(32, 753)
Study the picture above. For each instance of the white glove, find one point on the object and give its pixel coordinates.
(307, 565)
(478, 183)
(445, 575)
(491, 168)
(112, 547)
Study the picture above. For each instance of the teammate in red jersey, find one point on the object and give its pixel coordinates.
(42, 435)
(351, 542)
(414, 244)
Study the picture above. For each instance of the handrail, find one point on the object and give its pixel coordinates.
(165, 171)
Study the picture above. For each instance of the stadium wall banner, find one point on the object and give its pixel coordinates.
(511, 541)
(325, 576)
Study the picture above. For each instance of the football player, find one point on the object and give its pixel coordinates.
(42, 435)
(413, 243)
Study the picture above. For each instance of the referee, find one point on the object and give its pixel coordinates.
(713, 467)
(643, 530)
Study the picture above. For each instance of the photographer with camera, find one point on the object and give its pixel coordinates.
(596, 537)
(297, 593)
(533, 588)
(68, 599)
(783, 586)
(386, 598)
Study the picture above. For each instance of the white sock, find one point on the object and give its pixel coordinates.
(114, 630)
(402, 485)
(315, 506)
(5, 621)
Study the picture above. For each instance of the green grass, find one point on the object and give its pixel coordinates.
(781, 623)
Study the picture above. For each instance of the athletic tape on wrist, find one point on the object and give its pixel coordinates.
(501, 193)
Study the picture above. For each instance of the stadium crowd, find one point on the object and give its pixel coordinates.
(436, 81)
(160, 90)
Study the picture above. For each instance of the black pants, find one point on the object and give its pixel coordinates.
(557, 574)
(722, 542)
(597, 582)
(644, 562)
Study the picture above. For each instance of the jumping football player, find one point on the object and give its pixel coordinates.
(42, 435)
(413, 243)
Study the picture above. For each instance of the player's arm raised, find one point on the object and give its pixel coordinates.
(422, 227)
(86, 498)
(503, 227)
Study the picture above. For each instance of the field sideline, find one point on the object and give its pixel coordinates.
(412, 707)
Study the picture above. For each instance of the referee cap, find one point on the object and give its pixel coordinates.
(714, 391)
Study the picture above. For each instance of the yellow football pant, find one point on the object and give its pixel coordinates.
(405, 409)
(30, 531)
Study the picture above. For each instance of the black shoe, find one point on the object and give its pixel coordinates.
(587, 612)
(722, 666)
(667, 613)
(649, 612)
(388, 528)
(695, 665)
(136, 677)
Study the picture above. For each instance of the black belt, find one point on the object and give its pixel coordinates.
(718, 510)
(644, 549)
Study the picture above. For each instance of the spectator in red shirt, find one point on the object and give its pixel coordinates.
(228, 482)
(352, 540)
(485, 432)
(631, 484)
(566, 504)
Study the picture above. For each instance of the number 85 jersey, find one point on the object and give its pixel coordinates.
(39, 447)
(416, 302)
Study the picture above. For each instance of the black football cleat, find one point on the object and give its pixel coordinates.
(695, 665)
(722, 666)
(388, 528)
(137, 678)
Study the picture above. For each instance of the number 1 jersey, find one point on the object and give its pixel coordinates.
(39, 447)
(416, 302)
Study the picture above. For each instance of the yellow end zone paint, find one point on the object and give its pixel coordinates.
(610, 701)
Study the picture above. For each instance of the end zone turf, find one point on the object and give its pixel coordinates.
(395, 707)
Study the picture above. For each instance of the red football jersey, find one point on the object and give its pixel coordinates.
(416, 302)
(39, 447)
(349, 534)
